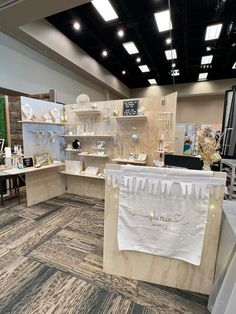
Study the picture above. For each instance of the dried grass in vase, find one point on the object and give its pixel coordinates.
(208, 147)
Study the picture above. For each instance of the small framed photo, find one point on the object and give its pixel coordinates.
(43, 159)
(2, 141)
(80, 129)
(28, 162)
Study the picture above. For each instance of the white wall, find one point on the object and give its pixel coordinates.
(25, 70)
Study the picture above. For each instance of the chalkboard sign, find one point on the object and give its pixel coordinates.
(130, 108)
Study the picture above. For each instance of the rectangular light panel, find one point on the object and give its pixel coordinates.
(171, 54)
(207, 59)
(163, 20)
(202, 76)
(130, 47)
(234, 66)
(152, 81)
(175, 72)
(213, 32)
(144, 68)
(105, 9)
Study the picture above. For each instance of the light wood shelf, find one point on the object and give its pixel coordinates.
(86, 136)
(42, 122)
(82, 175)
(87, 111)
(128, 161)
(138, 117)
(93, 155)
(73, 150)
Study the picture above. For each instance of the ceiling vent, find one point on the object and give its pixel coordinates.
(4, 4)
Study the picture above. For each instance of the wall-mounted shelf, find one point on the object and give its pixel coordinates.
(93, 155)
(87, 136)
(42, 122)
(138, 117)
(72, 150)
(82, 175)
(87, 111)
(128, 161)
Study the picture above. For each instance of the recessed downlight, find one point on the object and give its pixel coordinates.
(138, 60)
(76, 26)
(173, 65)
(202, 76)
(104, 53)
(208, 48)
(207, 59)
(171, 54)
(130, 47)
(105, 9)
(121, 33)
(123, 72)
(163, 20)
(168, 41)
(213, 32)
(234, 66)
(152, 81)
(144, 68)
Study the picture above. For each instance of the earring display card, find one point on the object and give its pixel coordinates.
(92, 171)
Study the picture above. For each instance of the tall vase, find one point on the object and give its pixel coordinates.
(206, 165)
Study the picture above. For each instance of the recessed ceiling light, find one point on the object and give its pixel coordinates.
(105, 9)
(152, 81)
(76, 26)
(163, 20)
(130, 47)
(138, 60)
(123, 72)
(208, 48)
(120, 33)
(202, 76)
(213, 32)
(234, 66)
(175, 72)
(171, 54)
(168, 41)
(173, 65)
(144, 68)
(207, 59)
(104, 53)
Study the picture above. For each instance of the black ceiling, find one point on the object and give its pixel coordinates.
(136, 17)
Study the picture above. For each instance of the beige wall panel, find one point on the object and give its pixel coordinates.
(200, 109)
(43, 185)
(86, 186)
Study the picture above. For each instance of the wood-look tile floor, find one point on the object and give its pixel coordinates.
(51, 262)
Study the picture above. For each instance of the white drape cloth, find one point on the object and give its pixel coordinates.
(163, 211)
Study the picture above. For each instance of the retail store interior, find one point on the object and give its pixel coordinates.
(118, 156)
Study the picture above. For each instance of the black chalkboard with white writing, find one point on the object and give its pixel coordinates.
(130, 108)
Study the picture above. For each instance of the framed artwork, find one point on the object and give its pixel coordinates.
(28, 162)
(130, 107)
(1, 144)
(43, 159)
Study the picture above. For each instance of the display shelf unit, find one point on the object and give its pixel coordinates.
(82, 175)
(42, 122)
(93, 155)
(138, 117)
(86, 111)
(128, 161)
(229, 165)
(87, 136)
